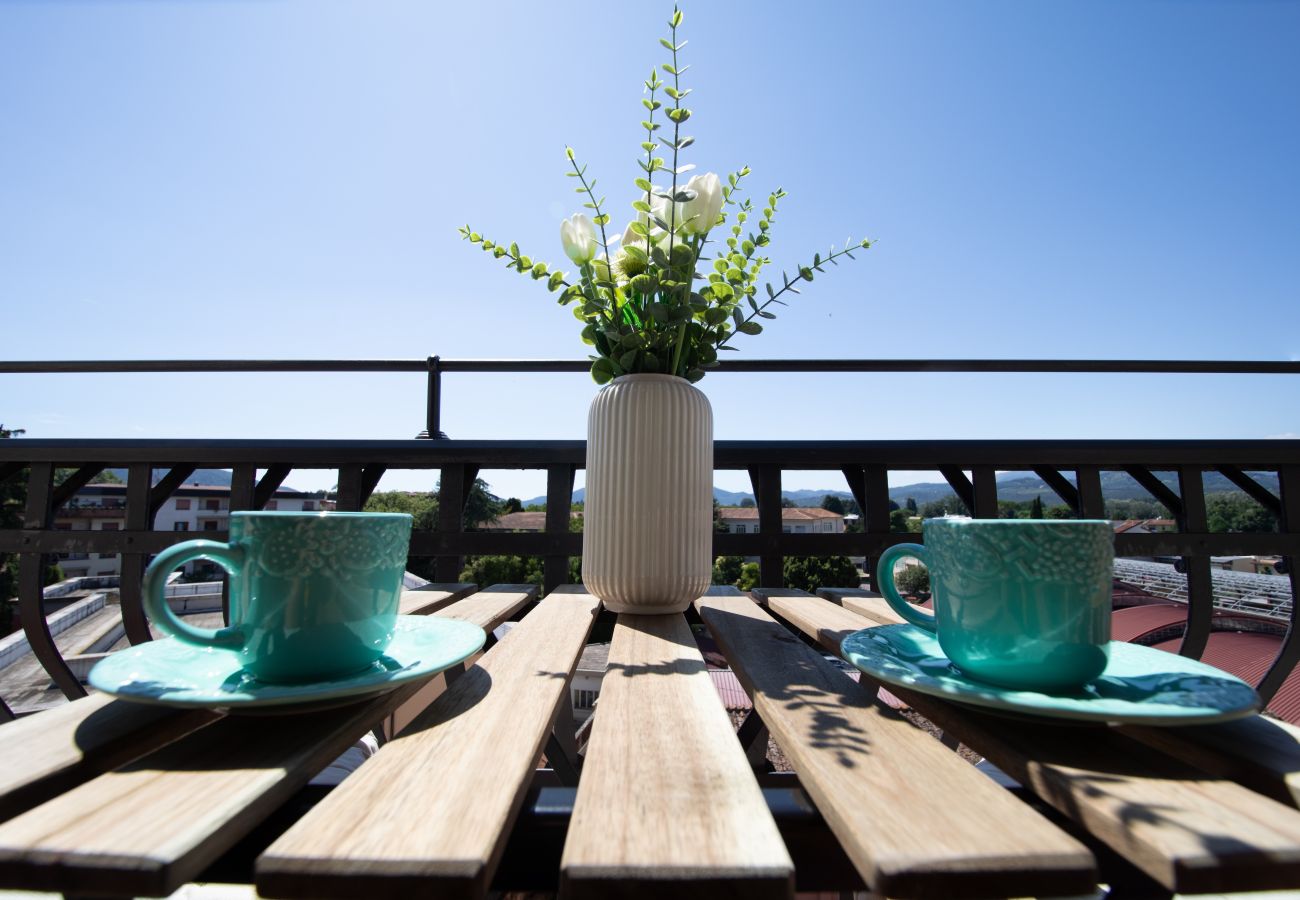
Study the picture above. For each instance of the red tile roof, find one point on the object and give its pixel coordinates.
(788, 514)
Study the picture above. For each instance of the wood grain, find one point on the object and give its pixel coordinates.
(915, 819)
(53, 751)
(153, 825)
(867, 604)
(667, 804)
(1188, 830)
(431, 811)
(429, 598)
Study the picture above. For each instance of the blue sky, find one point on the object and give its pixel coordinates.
(284, 178)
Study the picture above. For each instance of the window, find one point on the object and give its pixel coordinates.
(110, 526)
(585, 699)
(212, 505)
(308, 505)
(182, 502)
(272, 504)
(210, 525)
(181, 526)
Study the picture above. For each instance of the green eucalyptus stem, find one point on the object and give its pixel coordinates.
(596, 205)
(805, 274)
(677, 127)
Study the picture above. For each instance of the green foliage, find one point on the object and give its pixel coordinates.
(423, 508)
(506, 569)
(913, 580)
(1237, 512)
(1036, 508)
(834, 504)
(944, 506)
(911, 506)
(898, 521)
(661, 305)
(747, 503)
(808, 573)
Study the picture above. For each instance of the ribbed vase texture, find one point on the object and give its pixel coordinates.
(647, 543)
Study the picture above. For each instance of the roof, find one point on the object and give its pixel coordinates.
(518, 521)
(1248, 656)
(729, 689)
(595, 658)
(1128, 524)
(788, 514)
(1137, 621)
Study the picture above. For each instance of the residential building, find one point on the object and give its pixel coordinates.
(192, 507)
(794, 520)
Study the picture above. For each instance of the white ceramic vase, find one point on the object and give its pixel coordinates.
(647, 543)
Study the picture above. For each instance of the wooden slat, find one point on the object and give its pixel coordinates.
(1262, 754)
(867, 604)
(431, 811)
(153, 825)
(430, 598)
(962, 836)
(1189, 831)
(53, 751)
(667, 805)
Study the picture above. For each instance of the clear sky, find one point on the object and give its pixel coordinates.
(284, 178)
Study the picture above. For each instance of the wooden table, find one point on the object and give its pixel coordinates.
(483, 789)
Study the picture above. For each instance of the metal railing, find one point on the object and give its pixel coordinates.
(864, 464)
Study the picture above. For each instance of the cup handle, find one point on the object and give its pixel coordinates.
(885, 575)
(229, 556)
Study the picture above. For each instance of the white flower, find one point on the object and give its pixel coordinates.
(698, 216)
(579, 238)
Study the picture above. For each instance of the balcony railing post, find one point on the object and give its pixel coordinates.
(766, 480)
(1200, 588)
(138, 486)
(875, 514)
(39, 516)
(559, 500)
(1288, 478)
(433, 399)
(455, 483)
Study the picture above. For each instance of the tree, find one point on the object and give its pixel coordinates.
(423, 508)
(1036, 509)
(482, 505)
(512, 505)
(913, 580)
(898, 521)
(1237, 512)
(747, 503)
(726, 569)
(911, 505)
(787, 503)
(834, 504)
(719, 526)
(944, 506)
(808, 573)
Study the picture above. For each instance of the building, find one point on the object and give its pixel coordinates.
(794, 520)
(193, 507)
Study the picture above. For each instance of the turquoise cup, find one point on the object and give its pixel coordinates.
(313, 596)
(1020, 603)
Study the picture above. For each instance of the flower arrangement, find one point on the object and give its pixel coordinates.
(659, 303)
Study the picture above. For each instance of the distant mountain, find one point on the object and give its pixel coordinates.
(1012, 486)
(219, 477)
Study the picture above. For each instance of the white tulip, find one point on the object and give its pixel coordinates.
(698, 216)
(579, 238)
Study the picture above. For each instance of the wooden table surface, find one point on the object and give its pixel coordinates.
(105, 797)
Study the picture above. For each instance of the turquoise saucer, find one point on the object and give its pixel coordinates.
(1139, 686)
(169, 673)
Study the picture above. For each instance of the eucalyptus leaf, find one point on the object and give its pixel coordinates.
(750, 328)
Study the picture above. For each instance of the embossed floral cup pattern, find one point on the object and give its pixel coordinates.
(313, 596)
(1022, 603)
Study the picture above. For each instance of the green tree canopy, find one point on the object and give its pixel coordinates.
(1237, 512)
(808, 573)
(834, 504)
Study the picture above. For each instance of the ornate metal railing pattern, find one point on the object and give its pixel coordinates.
(864, 464)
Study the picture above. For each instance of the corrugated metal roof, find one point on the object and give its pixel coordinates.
(1248, 656)
(1133, 622)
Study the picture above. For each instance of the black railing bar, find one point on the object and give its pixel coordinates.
(1110, 454)
(1092, 366)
